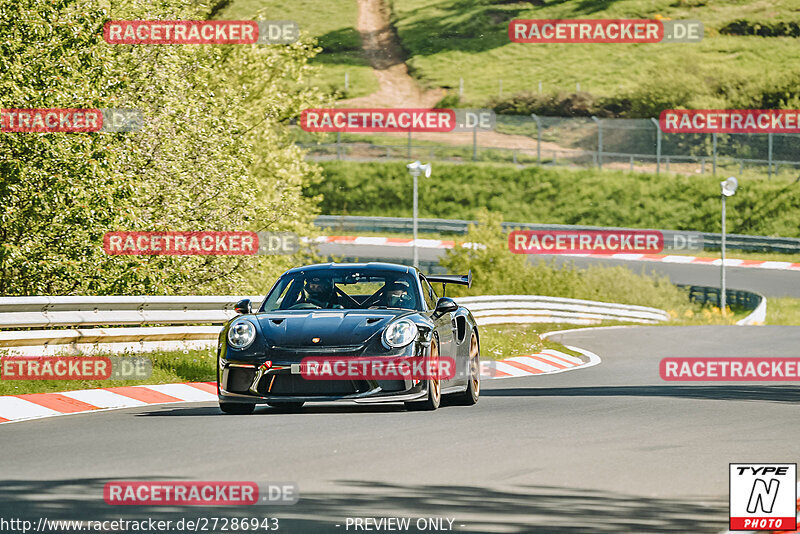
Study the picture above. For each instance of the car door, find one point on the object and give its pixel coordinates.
(444, 327)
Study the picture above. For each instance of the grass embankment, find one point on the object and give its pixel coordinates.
(740, 63)
(333, 24)
(451, 39)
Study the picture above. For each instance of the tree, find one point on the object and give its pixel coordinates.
(214, 152)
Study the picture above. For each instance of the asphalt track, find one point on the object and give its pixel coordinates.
(770, 283)
(609, 448)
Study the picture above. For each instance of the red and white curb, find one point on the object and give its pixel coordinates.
(14, 408)
(664, 258)
(545, 362)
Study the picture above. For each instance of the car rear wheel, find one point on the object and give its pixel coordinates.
(434, 385)
(473, 392)
(237, 408)
(286, 406)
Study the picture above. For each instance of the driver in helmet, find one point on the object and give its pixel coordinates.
(318, 290)
(398, 295)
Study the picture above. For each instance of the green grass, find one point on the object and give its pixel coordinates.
(449, 39)
(499, 342)
(333, 25)
(168, 367)
(783, 311)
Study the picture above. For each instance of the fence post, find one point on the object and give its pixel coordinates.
(702, 164)
(538, 135)
(658, 145)
(501, 87)
(599, 142)
(475, 143)
(631, 163)
(540, 86)
(409, 144)
(667, 163)
(515, 156)
(769, 155)
(338, 145)
(741, 166)
(714, 148)
(460, 87)
(346, 81)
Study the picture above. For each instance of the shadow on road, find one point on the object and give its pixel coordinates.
(264, 410)
(787, 394)
(475, 509)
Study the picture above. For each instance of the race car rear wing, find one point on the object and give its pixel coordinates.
(444, 279)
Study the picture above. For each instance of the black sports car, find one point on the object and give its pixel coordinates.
(371, 324)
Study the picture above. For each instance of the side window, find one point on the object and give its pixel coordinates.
(428, 294)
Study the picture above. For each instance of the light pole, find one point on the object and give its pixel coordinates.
(415, 168)
(728, 190)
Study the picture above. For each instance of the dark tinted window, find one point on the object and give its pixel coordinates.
(347, 289)
(428, 293)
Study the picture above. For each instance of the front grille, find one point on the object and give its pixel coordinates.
(278, 353)
(295, 385)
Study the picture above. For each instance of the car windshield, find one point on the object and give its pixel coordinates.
(349, 289)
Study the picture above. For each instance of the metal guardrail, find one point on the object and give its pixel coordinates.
(711, 241)
(189, 312)
(747, 300)
(499, 309)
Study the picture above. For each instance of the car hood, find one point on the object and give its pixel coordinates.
(334, 328)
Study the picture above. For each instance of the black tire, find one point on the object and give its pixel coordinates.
(434, 398)
(473, 392)
(287, 406)
(237, 408)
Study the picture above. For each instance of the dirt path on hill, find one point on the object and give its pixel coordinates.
(397, 89)
(382, 49)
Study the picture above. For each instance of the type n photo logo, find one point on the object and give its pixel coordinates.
(763, 497)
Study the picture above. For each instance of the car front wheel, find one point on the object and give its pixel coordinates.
(473, 392)
(434, 385)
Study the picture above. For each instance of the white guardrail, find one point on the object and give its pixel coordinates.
(89, 325)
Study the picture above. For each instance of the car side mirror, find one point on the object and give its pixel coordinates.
(243, 307)
(445, 305)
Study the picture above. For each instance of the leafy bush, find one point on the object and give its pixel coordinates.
(761, 28)
(498, 271)
(214, 153)
(560, 196)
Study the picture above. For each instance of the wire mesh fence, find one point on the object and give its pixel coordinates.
(624, 144)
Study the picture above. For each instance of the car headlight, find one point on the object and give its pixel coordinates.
(241, 334)
(400, 333)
